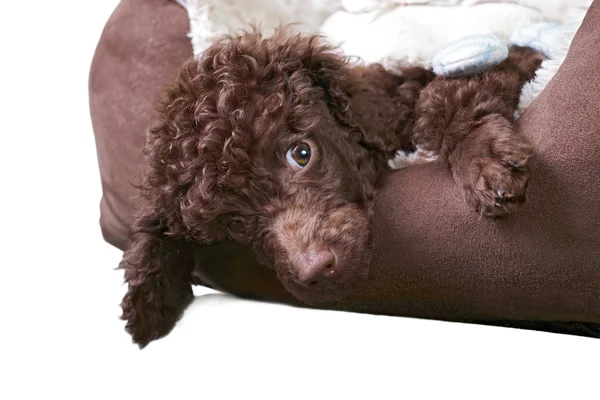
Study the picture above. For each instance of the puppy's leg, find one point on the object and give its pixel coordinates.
(468, 123)
(158, 269)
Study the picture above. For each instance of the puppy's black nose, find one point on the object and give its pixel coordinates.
(319, 268)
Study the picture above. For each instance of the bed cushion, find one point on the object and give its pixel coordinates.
(434, 258)
(142, 46)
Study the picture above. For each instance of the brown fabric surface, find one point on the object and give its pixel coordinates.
(142, 46)
(434, 258)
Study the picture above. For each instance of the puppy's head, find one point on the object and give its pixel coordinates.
(256, 142)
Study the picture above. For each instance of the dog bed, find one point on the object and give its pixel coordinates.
(433, 257)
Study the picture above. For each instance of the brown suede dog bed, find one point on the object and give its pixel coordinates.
(433, 257)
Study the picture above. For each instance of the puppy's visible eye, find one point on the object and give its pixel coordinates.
(298, 155)
(236, 227)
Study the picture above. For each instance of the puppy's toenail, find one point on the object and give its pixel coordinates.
(500, 193)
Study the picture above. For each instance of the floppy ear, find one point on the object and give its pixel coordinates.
(158, 270)
(376, 102)
(385, 108)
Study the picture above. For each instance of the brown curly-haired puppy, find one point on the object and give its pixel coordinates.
(278, 143)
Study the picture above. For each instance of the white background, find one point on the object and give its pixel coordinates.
(60, 336)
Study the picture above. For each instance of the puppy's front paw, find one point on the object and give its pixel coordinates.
(492, 171)
(498, 190)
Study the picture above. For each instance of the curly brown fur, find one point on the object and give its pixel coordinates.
(218, 165)
(158, 268)
(468, 122)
